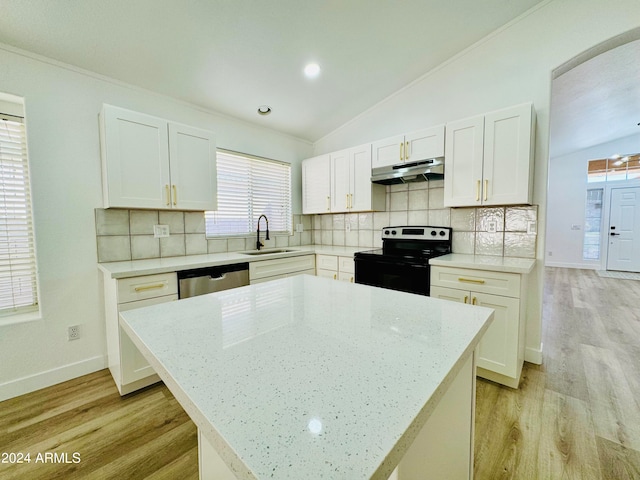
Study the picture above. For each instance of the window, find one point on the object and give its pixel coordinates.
(18, 283)
(247, 188)
(615, 168)
(593, 224)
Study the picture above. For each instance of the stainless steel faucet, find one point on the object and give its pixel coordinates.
(259, 244)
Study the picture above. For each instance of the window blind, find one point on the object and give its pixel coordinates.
(18, 284)
(247, 188)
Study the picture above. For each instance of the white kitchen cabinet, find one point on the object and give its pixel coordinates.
(351, 187)
(501, 350)
(128, 367)
(411, 147)
(149, 162)
(336, 267)
(489, 158)
(316, 185)
(265, 270)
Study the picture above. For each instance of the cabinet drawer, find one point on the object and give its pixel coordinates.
(483, 281)
(148, 286)
(280, 266)
(327, 273)
(346, 265)
(327, 262)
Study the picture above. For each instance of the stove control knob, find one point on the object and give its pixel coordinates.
(393, 232)
(386, 232)
(442, 233)
(433, 233)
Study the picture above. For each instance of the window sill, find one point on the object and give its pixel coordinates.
(16, 318)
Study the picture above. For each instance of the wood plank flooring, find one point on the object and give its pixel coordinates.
(577, 416)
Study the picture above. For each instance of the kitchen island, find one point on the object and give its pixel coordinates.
(304, 377)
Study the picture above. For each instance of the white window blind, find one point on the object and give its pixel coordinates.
(18, 285)
(247, 188)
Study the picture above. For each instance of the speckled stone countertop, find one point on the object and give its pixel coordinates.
(150, 266)
(485, 262)
(286, 384)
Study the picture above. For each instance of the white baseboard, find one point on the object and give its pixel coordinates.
(581, 266)
(31, 383)
(533, 355)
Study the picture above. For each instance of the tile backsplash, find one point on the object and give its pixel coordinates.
(500, 231)
(128, 235)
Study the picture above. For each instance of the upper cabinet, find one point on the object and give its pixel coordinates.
(149, 162)
(316, 185)
(341, 182)
(411, 147)
(351, 187)
(489, 158)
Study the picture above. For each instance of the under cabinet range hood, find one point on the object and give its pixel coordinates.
(432, 169)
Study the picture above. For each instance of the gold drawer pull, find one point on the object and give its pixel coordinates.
(486, 189)
(478, 191)
(470, 280)
(474, 301)
(466, 297)
(149, 287)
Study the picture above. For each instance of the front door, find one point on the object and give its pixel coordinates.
(624, 230)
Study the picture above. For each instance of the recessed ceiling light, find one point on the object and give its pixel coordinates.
(312, 70)
(264, 110)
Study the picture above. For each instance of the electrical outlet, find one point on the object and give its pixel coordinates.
(73, 332)
(160, 231)
(492, 226)
(299, 228)
(347, 226)
(550, 254)
(532, 227)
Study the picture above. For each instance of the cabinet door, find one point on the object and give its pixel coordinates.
(508, 156)
(389, 151)
(360, 179)
(133, 364)
(463, 162)
(192, 156)
(316, 185)
(498, 350)
(340, 187)
(423, 144)
(135, 159)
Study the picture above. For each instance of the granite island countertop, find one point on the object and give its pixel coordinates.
(285, 384)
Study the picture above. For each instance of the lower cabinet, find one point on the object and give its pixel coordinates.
(501, 351)
(266, 270)
(336, 267)
(128, 367)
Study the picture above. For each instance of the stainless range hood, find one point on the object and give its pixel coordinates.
(432, 169)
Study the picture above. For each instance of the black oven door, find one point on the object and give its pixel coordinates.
(393, 274)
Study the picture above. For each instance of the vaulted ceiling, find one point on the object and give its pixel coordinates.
(232, 56)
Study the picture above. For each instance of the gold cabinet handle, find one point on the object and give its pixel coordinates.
(478, 191)
(328, 203)
(466, 297)
(168, 194)
(401, 151)
(175, 195)
(351, 200)
(474, 301)
(351, 279)
(486, 189)
(335, 276)
(470, 280)
(153, 286)
(406, 150)
(346, 201)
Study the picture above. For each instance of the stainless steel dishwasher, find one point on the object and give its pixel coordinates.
(200, 281)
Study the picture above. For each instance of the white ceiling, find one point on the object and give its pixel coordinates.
(597, 101)
(233, 55)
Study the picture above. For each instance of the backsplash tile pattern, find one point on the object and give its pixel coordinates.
(423, 204)
(128, 234)
(123, 235)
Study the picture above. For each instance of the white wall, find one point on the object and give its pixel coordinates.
(511, 66)
(62, 105)
(566, 202)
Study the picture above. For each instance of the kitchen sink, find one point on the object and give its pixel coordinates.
(267, 251)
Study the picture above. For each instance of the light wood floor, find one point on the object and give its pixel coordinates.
(577, 416)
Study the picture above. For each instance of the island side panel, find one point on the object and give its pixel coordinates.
(444, 446)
